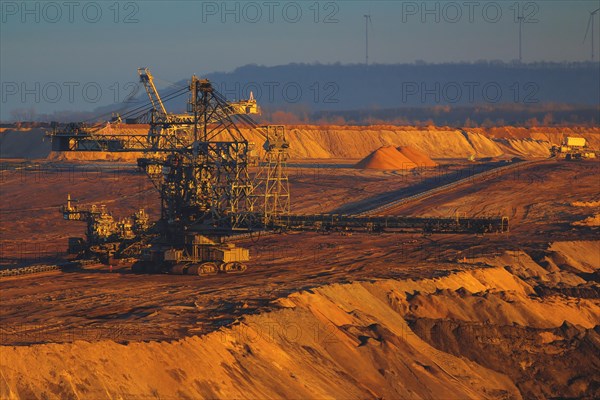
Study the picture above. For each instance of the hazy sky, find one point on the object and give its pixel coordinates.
(77, 41)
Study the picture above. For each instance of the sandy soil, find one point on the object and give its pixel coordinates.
(315, 316)
(349, 142)
(471, 332)
(417, 156)
(386, 158)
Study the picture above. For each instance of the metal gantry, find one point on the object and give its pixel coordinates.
(273, 178)
(199, 163)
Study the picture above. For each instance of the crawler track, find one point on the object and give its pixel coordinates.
(39, 268)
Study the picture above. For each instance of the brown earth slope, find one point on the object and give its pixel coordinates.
(356, 142)
(370, 339)
(315, 316)
(417, 156)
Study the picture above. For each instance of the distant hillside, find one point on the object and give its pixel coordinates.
(486, 93)
(442, 94)
(344, 87)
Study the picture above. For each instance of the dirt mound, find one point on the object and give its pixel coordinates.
(338, 341)
(529, 356)
(417, 156)
(554, 135)
(593, 220)
(480, 332)
(586, 204)
(504, 308)
(524, 147)
(580, 256)
(356, 142)
(30, 144)
(308, 141)
(386, 158)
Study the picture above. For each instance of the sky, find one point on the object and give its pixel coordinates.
(76, 45)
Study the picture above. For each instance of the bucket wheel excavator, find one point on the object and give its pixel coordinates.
(211, 188)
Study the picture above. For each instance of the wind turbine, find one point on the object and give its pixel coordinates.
(591, 23)
(520, 18)
(367, 22)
